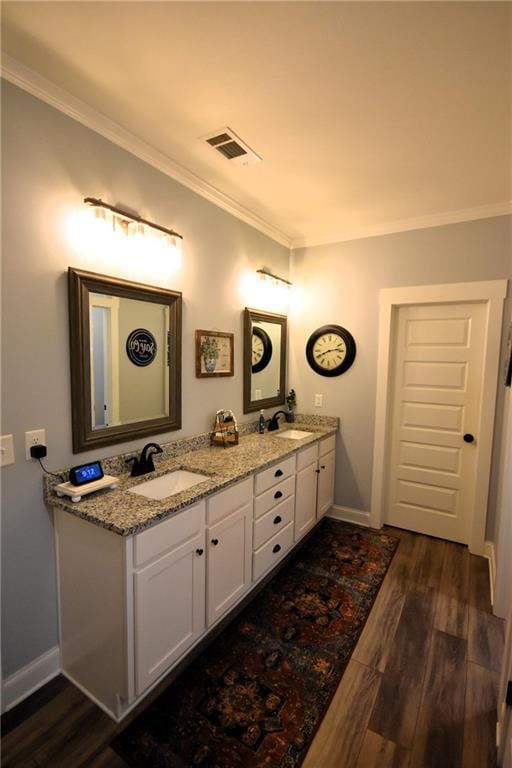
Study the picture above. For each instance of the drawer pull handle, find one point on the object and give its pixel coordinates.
(323, 466)
(278, 473)
(199, 552)
(278, 494)
(277, 548)
(278, 520)
(215, 542)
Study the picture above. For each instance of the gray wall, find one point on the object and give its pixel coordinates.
(339, 284)
(50, 163)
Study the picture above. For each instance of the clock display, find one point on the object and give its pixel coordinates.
(261, 349)
(331, 350)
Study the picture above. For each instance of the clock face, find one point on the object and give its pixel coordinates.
(331, 350)
(261, 349)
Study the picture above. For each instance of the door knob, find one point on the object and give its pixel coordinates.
(469, 438)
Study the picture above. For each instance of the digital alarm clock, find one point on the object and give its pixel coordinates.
(85, 473)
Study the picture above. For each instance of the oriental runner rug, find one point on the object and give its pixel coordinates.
(257, 695)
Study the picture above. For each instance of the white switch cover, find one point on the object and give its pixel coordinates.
(35, 437)
(319, 401)
(6, 450)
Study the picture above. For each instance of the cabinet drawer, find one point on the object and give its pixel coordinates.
(274, 475)
(168, 534)
(228, 501)
(273, 497)
(271, 552)
(273, 522)
(307, 456)
(327, 445)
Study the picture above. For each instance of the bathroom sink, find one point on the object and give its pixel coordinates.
(169, 484)
(293, 434)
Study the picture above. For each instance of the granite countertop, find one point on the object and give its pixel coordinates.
(128, 513)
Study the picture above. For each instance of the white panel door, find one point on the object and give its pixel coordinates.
(305, 499)
(437, 382)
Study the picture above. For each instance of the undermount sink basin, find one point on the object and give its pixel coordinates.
(293, 434)
(169, 484)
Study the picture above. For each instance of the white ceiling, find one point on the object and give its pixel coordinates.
(370, 117)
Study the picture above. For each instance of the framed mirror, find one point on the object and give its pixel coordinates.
(125, 342)
(264, 360)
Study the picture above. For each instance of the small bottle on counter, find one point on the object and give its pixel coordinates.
(261, 423)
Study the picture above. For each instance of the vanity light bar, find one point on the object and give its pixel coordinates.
(265, 273)
(97, 203)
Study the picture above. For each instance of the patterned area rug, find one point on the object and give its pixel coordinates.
(257, 695)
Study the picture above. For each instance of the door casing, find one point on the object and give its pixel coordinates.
(492, 293)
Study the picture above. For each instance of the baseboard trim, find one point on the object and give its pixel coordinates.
(349, 515)
(28, 679)
(490, 554)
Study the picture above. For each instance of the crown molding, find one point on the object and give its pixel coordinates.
(45, 90)
(405, 225)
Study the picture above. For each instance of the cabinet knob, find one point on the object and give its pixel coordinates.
(277, 548)
(277, 520)
(215, 542)
(323, 466)
(278, 494)
(278, 473)
(468, 438)
(199, 552)
(317, 471)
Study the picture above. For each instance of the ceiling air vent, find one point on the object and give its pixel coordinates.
(229, 145)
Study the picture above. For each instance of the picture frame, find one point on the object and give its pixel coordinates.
(214, 354)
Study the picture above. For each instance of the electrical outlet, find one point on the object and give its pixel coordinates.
(35, 437)
(319, 401)
(6, 450)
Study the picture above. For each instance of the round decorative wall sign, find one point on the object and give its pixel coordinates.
(141, 347)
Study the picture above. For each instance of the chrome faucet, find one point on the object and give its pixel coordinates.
(273, 423)
(144, 464)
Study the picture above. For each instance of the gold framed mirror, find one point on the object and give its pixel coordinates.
(264, 359)
(125, 344)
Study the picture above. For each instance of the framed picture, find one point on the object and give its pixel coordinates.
(214, 354)
(508, 359)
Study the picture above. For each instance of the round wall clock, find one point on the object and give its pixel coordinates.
(261, 349)
(330, 350)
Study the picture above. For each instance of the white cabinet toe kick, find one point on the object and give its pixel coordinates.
(132, 608)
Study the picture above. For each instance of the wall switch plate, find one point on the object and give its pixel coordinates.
(6, 450)
(319, 401)
(34, 437)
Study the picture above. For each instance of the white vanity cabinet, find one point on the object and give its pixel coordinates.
(326, 476)
(229, 548)
(132, 607)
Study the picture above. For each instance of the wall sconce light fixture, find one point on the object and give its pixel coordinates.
(130, 223)
(268, 277)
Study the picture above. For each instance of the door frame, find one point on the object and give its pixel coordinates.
(490, 292)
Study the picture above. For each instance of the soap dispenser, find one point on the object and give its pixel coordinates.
(261, 423)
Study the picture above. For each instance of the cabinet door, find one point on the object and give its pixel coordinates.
(169, 609)
(229, 545)
(305, 500)
(325, 484)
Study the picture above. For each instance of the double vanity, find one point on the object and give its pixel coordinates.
(148, 569)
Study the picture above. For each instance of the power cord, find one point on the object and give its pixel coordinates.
(39, 452)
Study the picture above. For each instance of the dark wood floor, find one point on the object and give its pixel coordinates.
(419, 692)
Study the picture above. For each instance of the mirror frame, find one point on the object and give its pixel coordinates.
(268, 402)
(80, 284)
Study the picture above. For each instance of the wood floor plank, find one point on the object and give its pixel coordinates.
(340, 736)
(451, 609)
(108, 759)
(486, 635)
(376, 641)
(480, 717)
(397, 703)
(377, 752)
(440, 728)
(479, 590)
(428, 561)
